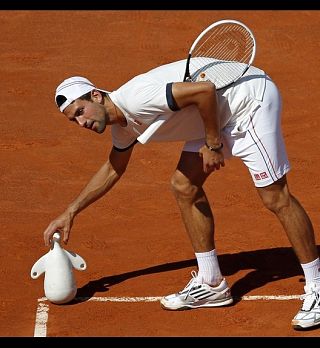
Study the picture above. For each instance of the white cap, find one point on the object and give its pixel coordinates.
(71, 89)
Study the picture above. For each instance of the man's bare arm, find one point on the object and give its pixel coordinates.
(203, 95)
(106, 177)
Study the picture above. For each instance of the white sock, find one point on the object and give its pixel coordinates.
(209, 270)
(312, 271)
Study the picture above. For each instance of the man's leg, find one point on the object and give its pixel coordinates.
(294, 219)
(196, 213)
(208, 288)
(299, 229)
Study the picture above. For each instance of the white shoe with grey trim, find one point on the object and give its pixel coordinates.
(309, 314)
(196, 295)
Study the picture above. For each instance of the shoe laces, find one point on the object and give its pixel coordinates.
(191, 284)
(311, 298)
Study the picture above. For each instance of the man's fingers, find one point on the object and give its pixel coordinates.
(65, 237)
(50, 238)
(208, 168)
(49, 232)
(48, 235)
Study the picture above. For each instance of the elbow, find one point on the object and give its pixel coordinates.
(206, 89)
(114, 170)
(210, 87)
(207, 93)
(120, 171)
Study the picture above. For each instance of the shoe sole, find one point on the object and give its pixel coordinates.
(300, 327)
(195, 306)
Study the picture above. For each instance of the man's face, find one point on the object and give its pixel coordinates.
(88, 114)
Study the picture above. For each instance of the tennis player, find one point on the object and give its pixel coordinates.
(242, 120)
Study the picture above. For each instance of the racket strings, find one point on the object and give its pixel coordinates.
(222, 54)
(230, 43)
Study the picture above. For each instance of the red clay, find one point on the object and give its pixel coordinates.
(133, 239)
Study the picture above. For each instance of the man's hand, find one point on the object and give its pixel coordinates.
(212, 160)
(62, 224)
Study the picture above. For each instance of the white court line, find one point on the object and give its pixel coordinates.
(279, 297)
(40, 328)
(157, 298)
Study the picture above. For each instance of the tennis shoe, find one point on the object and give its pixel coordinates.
(197, 294)
(309, 314)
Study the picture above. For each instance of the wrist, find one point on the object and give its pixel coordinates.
(71, 211)
(215, 147)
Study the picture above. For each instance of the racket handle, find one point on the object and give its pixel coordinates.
(148, 133)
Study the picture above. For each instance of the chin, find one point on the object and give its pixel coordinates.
(100, 130)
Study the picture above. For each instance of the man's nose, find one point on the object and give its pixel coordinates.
(81, 120)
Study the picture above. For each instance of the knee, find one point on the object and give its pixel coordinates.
(183, 188)
(276, 203)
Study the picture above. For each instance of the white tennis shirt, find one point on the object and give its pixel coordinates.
(146, 96)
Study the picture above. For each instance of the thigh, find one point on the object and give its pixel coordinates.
(259, 141)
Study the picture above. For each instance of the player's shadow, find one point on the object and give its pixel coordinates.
(266, 265)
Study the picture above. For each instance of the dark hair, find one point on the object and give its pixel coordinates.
(87, 96)
(60, 99)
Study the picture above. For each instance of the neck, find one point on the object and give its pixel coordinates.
(117, 113)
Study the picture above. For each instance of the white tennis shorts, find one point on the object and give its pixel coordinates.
(257, 140)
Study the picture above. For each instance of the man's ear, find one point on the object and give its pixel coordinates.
(96, 96)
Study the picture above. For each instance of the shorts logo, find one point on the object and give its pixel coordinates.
(261, 176)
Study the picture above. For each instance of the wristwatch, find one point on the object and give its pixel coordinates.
(211, 148)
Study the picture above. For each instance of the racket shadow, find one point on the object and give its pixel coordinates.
(265, 265)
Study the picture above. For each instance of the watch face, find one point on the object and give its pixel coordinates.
(214, 148)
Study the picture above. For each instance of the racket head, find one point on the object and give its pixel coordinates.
(221, 53)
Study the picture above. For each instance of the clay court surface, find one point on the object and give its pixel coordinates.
(133, 240)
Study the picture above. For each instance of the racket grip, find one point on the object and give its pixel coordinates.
(148, 133)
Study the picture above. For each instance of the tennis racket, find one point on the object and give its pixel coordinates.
(222, 53)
